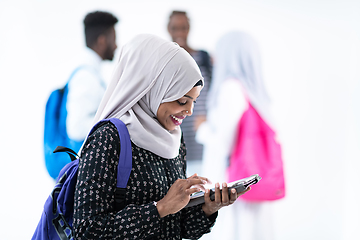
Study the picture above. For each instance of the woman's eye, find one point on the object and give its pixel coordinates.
(181, 103)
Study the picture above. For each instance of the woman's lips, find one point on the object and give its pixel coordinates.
(177, 120)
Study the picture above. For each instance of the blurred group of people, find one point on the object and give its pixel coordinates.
(232, 79)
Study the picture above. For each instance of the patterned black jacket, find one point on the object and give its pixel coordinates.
(95, 216)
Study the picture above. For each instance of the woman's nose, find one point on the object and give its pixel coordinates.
(189, 111)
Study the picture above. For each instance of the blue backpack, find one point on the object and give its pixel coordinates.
(57, 217)
(55, 130)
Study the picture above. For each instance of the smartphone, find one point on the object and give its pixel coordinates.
(240, 186)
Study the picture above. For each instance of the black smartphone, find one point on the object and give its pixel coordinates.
(240, 186)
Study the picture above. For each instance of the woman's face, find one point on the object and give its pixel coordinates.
(171, 114)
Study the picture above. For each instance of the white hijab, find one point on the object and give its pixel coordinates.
(150, 71)
(237, 56)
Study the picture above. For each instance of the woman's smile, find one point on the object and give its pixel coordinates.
(177, 120)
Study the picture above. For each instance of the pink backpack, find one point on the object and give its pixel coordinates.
(257, 152)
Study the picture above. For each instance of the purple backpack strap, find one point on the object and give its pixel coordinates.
(125, 159)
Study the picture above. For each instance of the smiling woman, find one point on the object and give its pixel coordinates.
(152, 103)
(171, 114)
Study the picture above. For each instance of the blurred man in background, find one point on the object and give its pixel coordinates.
(178, 28)
(86, 88)
(70, 111)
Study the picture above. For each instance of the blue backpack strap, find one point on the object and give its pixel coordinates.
(125, 159)
(73, 74)
(89, 68)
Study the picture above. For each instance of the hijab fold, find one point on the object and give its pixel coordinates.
(150, 71)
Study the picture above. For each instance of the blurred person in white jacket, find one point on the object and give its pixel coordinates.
(236, 76)
(87, 87)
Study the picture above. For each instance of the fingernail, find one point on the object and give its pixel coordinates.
(217, 185)
(233, 191)
(224, 184)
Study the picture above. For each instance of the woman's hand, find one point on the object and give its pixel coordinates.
(222, 199)
(179, 193)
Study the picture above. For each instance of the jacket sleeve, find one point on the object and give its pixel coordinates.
(95, 216)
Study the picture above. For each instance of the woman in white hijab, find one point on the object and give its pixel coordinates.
(236, 76)
(154, 87)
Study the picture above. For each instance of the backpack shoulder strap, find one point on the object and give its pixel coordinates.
(69, 79)
(84, 67)
(125, 158)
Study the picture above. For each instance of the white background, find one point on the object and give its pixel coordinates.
(310, 51)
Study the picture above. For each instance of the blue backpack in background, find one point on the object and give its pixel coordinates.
(55, 130)
(57, 218)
